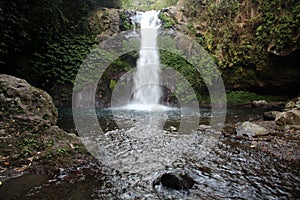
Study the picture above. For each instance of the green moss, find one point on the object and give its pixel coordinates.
(191, 28)
(240, 34)
(243, 97)
(29, 145)
(186, 69)
(279, 24)
(61, 150)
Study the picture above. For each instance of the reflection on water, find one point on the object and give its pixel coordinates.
(107, 118)
(114, 119)
(137, 147)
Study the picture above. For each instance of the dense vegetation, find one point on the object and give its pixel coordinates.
(243, 35)
(146, 4)
(45, 42)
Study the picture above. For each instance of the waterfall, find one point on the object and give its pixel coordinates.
(146, 91)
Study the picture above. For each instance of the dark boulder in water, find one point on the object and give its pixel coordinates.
(175, 181)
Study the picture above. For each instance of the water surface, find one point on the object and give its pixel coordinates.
(136, 148)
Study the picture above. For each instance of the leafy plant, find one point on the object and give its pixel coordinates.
(62, 150)
(279, 24)
(167, 22)
(29, 145)
(126, 22)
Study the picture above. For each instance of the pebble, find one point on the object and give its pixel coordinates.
(172, 128)
(203, 127)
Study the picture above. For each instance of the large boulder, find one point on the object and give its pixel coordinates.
(28, 135)
(289, 119)
(20, 99)
(251, 130)
(270, 115)
(291, 105)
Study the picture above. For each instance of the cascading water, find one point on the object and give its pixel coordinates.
(146, 91)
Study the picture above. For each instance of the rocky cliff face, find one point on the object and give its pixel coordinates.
(250, 47)
(255, 43)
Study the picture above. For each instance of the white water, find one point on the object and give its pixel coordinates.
(146, 91)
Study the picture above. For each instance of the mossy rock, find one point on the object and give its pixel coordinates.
(19, 97)
(28, 135)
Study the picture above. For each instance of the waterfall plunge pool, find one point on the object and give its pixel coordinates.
(228, 170)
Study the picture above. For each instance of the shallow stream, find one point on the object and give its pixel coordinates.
(136, 148)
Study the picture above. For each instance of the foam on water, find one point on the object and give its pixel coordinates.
(148, 107)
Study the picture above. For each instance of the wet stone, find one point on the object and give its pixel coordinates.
(270, 115)
(290, 105)
(260, 104)
(175, 181)
(288, 120)
(251, 130)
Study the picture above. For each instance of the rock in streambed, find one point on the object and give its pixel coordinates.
(290, 118)
(176, 181)
(251, 130)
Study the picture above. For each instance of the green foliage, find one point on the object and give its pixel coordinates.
(49, 143)
(187, 70)
(279, 24)
(126, 23)
(29, 145)
(221, 36)
(160, 4)
(61, 150)
(243, 97)
(225, 10)
(167, 22)
(238, 34)
(30, 142)
(191, 27)
(126, 4)
(63, 60)
(147, 4)
(105, 16)
(94, 66)
(112, 84)
(31, 29)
